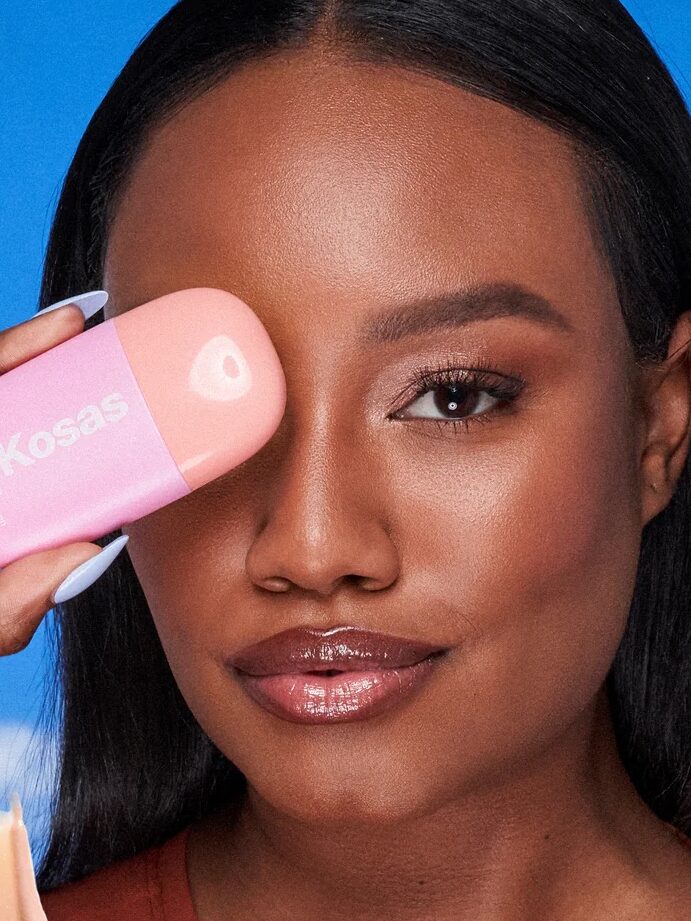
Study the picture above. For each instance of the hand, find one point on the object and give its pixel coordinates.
(27, 585)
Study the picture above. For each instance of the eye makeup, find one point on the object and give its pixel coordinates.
(446, 377)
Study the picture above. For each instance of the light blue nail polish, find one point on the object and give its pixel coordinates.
(87, 573)
(88, 303)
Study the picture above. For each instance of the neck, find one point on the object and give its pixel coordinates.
(556, 828)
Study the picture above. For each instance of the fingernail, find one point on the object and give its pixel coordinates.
(87, 573)
(88, 303)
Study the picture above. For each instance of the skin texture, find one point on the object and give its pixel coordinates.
(320, 192)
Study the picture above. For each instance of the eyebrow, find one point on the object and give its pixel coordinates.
(456, 309)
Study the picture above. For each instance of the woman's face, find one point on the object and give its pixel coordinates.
(324, 193)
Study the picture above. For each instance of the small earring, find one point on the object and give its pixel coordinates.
(653, 487)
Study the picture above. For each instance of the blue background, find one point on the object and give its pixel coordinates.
(58, 61)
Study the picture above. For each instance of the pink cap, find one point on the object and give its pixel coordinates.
(210, 376)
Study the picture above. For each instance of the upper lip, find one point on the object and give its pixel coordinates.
(307, 649)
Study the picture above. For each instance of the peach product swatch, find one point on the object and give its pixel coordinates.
(19, 898)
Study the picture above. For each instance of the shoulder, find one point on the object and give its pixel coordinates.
(134, 889)
(116, 892)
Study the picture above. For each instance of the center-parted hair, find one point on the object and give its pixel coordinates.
(134, 766)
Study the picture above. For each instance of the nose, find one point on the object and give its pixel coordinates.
(323, 522)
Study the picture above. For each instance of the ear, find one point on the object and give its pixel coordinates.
(667, 409)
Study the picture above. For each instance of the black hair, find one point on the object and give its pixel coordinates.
(134, 766)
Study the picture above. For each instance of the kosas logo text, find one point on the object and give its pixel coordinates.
(64, 433)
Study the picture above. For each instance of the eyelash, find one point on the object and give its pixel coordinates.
(477, 380)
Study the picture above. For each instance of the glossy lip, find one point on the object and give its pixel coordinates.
(348, 696)
(307, 649)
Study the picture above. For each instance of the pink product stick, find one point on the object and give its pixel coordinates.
(131, 415)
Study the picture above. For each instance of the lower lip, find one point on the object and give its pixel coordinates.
(303, 698)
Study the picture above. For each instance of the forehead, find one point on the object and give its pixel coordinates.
(301, 179)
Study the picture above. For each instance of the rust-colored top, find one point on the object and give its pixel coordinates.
(152, 886)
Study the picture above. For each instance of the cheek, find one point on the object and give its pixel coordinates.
(188, 557)
(530, 547)
(174, 571)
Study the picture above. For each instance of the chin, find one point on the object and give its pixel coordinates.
(356, 798)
